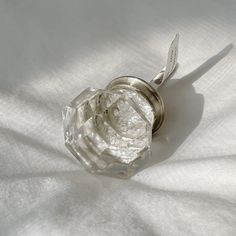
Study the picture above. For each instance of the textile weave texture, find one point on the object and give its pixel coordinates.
(52, 50)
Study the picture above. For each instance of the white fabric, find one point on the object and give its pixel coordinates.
(51, 50)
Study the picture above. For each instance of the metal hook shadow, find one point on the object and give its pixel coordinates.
(184, 108)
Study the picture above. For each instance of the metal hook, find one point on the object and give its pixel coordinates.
(171, 65)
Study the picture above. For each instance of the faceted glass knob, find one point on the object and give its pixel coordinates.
(110, 130)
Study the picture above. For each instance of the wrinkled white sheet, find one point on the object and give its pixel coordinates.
(51, 50)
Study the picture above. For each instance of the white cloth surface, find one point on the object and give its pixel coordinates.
(51, 50)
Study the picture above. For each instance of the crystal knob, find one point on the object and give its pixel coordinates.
(110, 130)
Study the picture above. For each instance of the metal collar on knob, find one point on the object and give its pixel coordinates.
(150, 90)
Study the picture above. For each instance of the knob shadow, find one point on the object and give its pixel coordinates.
(184, 109)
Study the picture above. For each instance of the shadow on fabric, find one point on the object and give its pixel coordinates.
(184, 109)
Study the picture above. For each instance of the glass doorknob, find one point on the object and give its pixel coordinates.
(110, 130)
